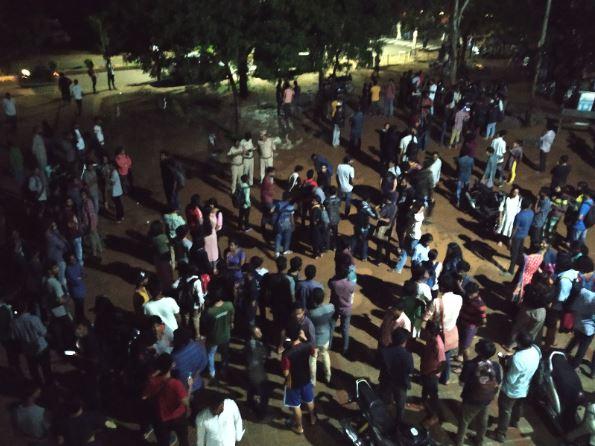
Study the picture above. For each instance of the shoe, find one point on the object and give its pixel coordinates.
(173, 439)
(147, 434)
(277, 254)
(286, 253)
(500, 438)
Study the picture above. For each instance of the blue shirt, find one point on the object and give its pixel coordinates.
(320, 161)
(522, 223)
(74, 279)
(584, 312)
(521, 368)
(304, 290)
(582, 212)
(324, 323)
(465, 164)
(545, 206)
(420, 254)
(190, 360)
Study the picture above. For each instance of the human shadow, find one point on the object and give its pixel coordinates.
(146, 199)
(380, 293)
(129, 246)
(119, 269)
(495, 295)
(580, 146)
(481, 249)
(364, 323)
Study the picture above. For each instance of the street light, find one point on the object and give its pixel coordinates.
(304, 53)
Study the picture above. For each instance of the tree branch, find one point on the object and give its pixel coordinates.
(463, 9)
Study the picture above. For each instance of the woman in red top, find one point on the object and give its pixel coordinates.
(194, 216)
(531, 265)
(124, 164)
(170, 400)
(471, 317)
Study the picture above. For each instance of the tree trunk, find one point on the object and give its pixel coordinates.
(463, 54)
(540, 45)
(243, 74)
(236, 98)
(336, 63)
(455, 26)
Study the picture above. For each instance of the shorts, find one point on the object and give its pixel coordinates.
(295, 397)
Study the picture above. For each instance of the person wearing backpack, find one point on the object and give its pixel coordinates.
(190, 297)
(481, 379)
(518, 372)
(333, 209)
(584, 219)
(318, 227)
(362, 228)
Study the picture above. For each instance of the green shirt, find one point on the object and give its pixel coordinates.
(218, 323)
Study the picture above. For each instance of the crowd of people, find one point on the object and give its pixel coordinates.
(199, 298)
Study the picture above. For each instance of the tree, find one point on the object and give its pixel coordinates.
(540, 47)
(99, 25)
(458, 9)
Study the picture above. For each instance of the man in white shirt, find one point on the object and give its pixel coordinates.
(435, 168)
(248, 157)
(345, 176)
(405, 140)
(77, 93)
(237, 164)
(79, 140)
(39, 150)
(98, 132)
(267, 148)
(10, 110)
(545, 145)
(499, 146)
(220, 424)
(164, 307)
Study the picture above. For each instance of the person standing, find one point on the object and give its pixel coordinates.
(173, 179)
(560, 173)
(481, 379)
(64, 84)
(333, 208)
(342, 294)
(389, 98)
(16, 163)
(117, 193)
(30, 334)
(545, 146)
(509, 208)
(164, 307)
(111, 75)
(322, 316)
(583, 309)
(362, 228)
(499, 146)
(461, 117)
(433, 359)
(542, 211)
(338, 120)
(579, 228)
(345, 179)
(520, 230)
(91, 184)
(217, 328)
(267, 148)
(375, 91)
(77, 93)
(256, 354)
(278, 295)
(395, 371)
(491, 168)
(171, 402)
(248, 157)
(190, 359)
(357, 126)
(283, 211)
(244, 205)
(236, 164)
(10, 110)
(39, 150)
(220, 424)
(124, 166)
(519, 370)
(465, 166)
(93, 76)
(76, 286)
(295, 365)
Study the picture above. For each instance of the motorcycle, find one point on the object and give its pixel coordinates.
(375, 426)
(558, 391)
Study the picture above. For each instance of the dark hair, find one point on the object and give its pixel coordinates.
(332, 190)
(471, 288)
(155, 320)
(584, 264)
(295, 263)
(317, 296)
(432, 254)
(310, 173)
(564, 158)
(399, 305)
(463, 267)
(433, 328)
(256, 262)
(298, 168)
(163, 363)
(526, 203)
(485, 349)
(346, 159)
(410, 288)
(182, 337)
(155, 228)
(154, 286)
(426, 239)
(281, 263)
(524, 340)
(244, 178)
(400, 336)
(310, 272)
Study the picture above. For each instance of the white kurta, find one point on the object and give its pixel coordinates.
(508, 209)
(224, 429)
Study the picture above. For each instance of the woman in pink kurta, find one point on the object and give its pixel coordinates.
(531, 265)
(214, 223)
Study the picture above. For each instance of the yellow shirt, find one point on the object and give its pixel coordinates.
(375, 93)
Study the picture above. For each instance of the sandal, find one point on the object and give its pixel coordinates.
(297, 429)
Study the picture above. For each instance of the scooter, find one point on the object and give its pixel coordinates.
(558, 391)
(376, 427)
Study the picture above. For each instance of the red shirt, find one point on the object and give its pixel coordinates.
(124, 163)
(432, 356)
(311, 182)
(193, 217)
(167, 394)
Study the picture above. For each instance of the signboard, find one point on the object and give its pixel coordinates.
(585, 101)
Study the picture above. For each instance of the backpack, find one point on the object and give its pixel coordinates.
(188, 298)
(283, 220)
(484, 385)
(237, 198)
(411, 150)
(324, 216)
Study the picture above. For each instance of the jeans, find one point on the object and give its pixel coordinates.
(389, 107)
(164, 428)
(333, 232)
(212, 350)
(446, 372)
(583, 342)
(345, 322)
(578, 234)
(443, 132)
(336, 135)
(244, 218)
(468, 413)
(172, 198)
(283, 240)
(461, 185)
(542, 160)
(509, 412)
(490, 129)
(355, 140)
(119, 207)
(347, 197)
(391, 393)
(77, 246)
(429, 393)
(62, 272)
(361, 246)
(318, 235)
(258, 397)
(323, 355)
(41, 360)
(403, 259)
(516, 249)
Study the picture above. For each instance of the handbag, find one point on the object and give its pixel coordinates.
(450, 337)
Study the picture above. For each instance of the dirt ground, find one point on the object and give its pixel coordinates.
(144, 130)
